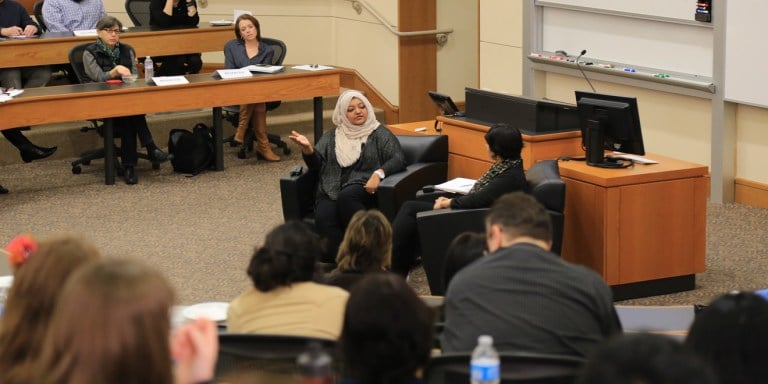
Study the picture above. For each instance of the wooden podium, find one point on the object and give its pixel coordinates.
(642, 228)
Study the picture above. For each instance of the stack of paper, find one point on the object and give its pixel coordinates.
(265, 68)
(457, 185)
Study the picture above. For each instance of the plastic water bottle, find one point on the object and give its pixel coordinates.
(149, 69)
(485, 365)
(315, 365)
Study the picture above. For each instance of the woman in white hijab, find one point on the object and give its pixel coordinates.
(351, 160)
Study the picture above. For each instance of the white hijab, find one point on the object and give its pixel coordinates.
(349, 137)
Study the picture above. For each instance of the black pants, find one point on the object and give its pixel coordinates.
(332, 216)
(128, 127)
(178, 65)
(405, 236)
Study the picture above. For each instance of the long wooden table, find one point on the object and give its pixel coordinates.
(100, 100)
(53, 48)
(642, 228)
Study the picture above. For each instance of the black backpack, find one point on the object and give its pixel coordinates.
(191, 152)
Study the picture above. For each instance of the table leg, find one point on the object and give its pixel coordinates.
(317, 103)
(218, 140)
(109, 152)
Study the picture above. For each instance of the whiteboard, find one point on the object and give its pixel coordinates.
(672, 9)
(745, 55)
(674, 47)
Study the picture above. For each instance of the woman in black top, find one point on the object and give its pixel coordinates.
(175, 13)
(505, 175)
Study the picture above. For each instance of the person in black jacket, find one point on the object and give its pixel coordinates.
(108, 59)
(505, 144)
(175, 13)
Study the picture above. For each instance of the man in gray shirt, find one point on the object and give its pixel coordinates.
(522, 294)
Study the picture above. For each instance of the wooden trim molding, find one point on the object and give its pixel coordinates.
(751, 193)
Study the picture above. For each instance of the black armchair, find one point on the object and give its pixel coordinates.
(516, 367)
(265, 356)
(427, 163)
(438, 228)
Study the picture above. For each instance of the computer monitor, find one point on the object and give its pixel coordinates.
(609, 122)
(445, 103)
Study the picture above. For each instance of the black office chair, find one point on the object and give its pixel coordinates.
(516, 368)
(76, 61)
(439, 227)
(232, 113)
(60, 70)
(37, 9)
(259, 355)
(138, 11)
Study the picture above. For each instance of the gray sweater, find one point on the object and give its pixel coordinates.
(381, 150)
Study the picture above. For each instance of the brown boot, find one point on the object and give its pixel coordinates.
(259, 126)
(246, 111)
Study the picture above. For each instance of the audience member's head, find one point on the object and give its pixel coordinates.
(504, 141)
(463, 250)
(517, 217)
(731, 335)
(288, 256)
(645, 358)
(112, 325)
(388, 331)
(367, 244)
(32, 299)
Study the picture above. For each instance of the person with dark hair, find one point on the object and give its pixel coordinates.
(366, 248)
(731, 336)
(31, 300)
(243, 51)
(505, 144)
(351, 161)
(175, 13)
(113, 325)
(524, 296)
(645, 358)
(284, 300)
(108, 59)
(15, 22)
(463, 250)
(388, 332)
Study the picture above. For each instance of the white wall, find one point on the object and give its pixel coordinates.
(457, 60)
(501, 46)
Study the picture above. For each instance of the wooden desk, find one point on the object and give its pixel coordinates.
(642, 228)
(468, 153)
(100, 100)
(53, 48)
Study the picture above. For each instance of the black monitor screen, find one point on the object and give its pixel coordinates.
(445, 103)
(609, 123)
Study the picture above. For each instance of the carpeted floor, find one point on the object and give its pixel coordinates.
(201, 230)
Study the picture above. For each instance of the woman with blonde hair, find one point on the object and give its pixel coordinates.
(32, 299)
(366, 248)
(112, 325)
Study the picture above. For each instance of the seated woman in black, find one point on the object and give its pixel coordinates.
(108, 59)
(175, 13)
(352, 160)
(505, 175)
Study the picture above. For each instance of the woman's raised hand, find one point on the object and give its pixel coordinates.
(302, 141)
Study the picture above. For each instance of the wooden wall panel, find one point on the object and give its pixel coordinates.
(417, 60)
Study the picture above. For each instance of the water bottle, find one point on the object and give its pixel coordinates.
(149, 69)
(485, 365)
(315, 365)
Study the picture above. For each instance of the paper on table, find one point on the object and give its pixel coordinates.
(86, 32)
(234, 73)
(312, 67)
(635, 158)
(457, 185)
(265, 68)
(169, 80)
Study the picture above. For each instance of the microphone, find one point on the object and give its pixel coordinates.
(584, 52)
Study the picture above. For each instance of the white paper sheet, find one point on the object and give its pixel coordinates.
(458, 185)
(264, 68)
(234, 73)
(86, 32)
(169, 80)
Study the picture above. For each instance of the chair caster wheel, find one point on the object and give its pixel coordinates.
(76, 170)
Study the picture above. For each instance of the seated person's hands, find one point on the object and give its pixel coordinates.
(30, 30)
(119, 71)
(194, 348)
(442, 203)
(373, 184)
(11, 31)
(301, 141)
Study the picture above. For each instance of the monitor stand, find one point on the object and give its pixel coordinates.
(595, 152)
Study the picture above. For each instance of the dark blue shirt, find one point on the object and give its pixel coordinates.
(13, 14)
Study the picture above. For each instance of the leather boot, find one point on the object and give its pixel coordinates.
(259, 125)
(246, 110)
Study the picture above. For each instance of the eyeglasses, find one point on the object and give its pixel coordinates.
(112, 31)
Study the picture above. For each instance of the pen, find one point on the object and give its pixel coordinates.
(632, 70)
